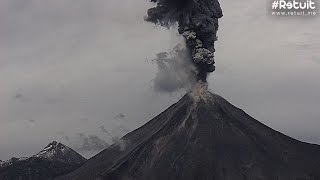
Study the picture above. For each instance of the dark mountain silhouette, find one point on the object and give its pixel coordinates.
(204, 137)
(54, 160)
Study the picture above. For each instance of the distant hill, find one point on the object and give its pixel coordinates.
(54, 160)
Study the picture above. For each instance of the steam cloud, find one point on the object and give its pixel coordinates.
(90, 143)
(175, 71)
(198, 23)
(115, 140)
(120, 116)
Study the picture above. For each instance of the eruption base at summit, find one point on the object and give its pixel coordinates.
(199, 92)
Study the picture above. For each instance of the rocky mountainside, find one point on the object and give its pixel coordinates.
(11, 161)
(54, 160)
(204, 137)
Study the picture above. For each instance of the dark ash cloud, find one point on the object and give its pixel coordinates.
(198, 24)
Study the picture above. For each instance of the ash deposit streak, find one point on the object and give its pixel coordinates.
(198, 24)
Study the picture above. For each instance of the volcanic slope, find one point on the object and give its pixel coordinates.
(204, 137)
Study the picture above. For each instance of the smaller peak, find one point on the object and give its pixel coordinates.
(60, 152)
(54, 143)
(52, 149)
(51, 145)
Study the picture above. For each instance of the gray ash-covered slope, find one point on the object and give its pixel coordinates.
(54, 160)
(204, 137)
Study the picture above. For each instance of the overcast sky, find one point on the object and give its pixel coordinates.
(70, 67)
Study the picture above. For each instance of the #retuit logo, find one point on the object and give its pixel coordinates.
(303, 8)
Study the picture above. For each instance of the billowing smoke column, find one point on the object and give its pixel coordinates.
(198, 23)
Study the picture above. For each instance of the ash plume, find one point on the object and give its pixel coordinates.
(198, 24)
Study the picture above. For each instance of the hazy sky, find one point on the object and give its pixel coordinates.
(69, 67)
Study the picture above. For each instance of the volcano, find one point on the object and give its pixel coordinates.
(204, 137)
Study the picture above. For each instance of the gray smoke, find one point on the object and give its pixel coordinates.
(175, 71)
(90, 143)
(198, 23)
(31, 120)
(120, 116)
(116, 141)
(19, 96)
